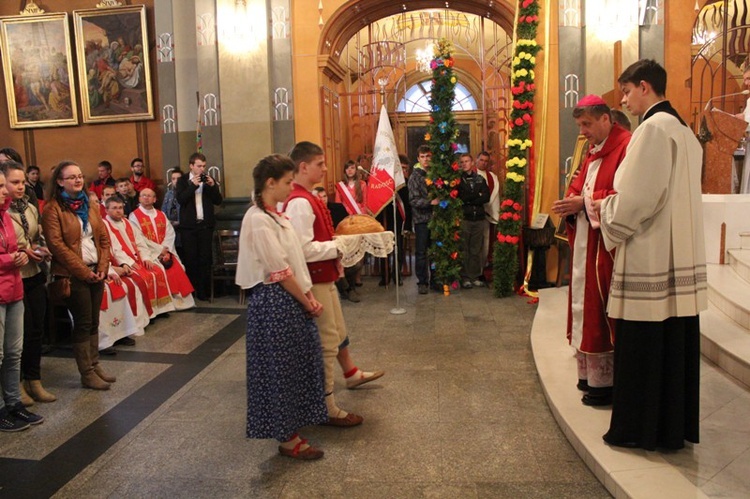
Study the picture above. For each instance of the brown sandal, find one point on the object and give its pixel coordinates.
(308, 454)
(348, 421)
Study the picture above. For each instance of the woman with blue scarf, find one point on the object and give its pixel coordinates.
(78, 240)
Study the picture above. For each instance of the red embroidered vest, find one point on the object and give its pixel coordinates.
(323, 271)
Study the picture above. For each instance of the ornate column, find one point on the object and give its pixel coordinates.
(167, 86)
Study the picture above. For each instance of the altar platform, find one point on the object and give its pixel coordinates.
(717, 467)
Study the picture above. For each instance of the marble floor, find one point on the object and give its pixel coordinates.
(460, 413)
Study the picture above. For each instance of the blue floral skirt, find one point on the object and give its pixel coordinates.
(285, 389)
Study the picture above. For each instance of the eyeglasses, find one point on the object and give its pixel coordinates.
(74, 177)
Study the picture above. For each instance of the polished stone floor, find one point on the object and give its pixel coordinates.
(460, 413)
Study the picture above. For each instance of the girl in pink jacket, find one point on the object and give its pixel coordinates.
(13, 415)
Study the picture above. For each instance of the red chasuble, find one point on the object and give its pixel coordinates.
(178, 280)
(597, 335)
(157, 233)
(155, 279)
(325, 271)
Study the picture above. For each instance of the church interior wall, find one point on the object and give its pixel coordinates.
(246, 132)
(87, 144)
(678, 24)
(244, 81)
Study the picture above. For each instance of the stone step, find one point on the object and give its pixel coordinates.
(729, 293)
(745, 240)
(739, 260)
(726, 344)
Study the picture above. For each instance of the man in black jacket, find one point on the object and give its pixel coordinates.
(197, 194)
(421, 210)
(474, 193)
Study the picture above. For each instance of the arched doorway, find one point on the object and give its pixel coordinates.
(371, 54)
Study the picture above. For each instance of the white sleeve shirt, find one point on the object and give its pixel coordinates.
(198, 199)
(269, 251)
(302, 218)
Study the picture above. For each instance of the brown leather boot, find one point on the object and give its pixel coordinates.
(26, 400)
(36, 390)
(89, 379)
(98, 369)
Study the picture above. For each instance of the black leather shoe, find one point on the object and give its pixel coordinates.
(596, 401)
(126, 342)
(598, 396)
(108, 351)
(611, 441)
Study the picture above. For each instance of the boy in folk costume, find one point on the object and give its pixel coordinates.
(312, 222)
(655, 223)
(131, 251)
(589, 330)
(155, 226)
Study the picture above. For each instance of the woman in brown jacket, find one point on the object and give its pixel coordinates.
(78, 240)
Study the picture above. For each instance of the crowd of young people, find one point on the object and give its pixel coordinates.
(111, 274)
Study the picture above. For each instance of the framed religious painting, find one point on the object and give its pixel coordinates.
(38, 70)
(113, 64)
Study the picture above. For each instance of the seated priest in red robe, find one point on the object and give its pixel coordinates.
(130, 251)
(157, 229)
(124, 311)
(589, 330)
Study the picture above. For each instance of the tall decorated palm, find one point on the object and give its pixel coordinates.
(443, 175)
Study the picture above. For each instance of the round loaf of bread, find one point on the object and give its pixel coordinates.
(358, 224)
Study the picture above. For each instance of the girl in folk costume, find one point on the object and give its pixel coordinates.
(28, 231)
(589, 330)
(78, 240)
(284, 360)
(157, 229)
(352, 190)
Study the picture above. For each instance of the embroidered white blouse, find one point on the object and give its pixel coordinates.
(269, 251)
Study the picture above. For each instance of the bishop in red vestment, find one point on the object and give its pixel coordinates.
(589, 329)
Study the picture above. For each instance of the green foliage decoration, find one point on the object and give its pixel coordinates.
(506, 255)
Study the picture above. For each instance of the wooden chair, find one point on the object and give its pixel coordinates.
(224, 267)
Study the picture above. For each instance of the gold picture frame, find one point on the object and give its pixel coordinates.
(579, 153)
(114, 71)
(38, 70)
